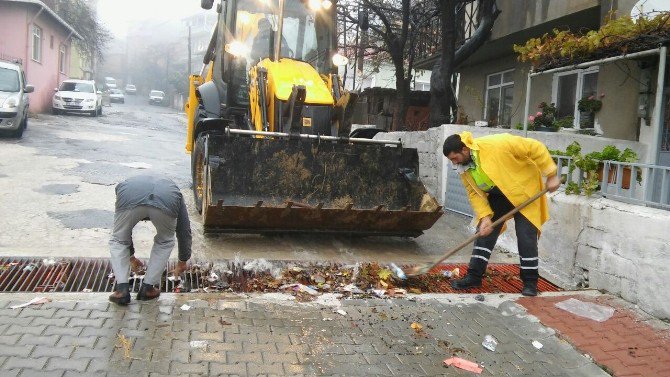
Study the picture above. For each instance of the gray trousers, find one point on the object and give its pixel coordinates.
(119, 244)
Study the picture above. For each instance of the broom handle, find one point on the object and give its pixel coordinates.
(506, 217)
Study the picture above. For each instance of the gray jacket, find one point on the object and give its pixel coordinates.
(162, 193)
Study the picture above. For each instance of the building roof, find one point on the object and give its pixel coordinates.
(51, 13)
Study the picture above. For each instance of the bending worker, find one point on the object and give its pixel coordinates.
(500, 172)
(157, 199)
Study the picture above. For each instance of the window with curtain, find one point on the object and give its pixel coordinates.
(499, 96)
(61, 59)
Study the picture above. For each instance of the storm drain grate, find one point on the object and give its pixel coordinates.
(95, 275)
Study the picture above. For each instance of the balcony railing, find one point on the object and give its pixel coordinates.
(636, 183)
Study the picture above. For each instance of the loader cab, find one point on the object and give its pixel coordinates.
(307, 35)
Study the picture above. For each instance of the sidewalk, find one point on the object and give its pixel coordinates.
(271, 334)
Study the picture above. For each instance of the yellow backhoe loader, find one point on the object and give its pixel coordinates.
(268, 132)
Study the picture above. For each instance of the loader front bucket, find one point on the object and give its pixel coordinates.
(260, 185)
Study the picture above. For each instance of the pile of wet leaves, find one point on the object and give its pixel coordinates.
(306, 281)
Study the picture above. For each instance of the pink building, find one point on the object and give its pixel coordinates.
(32, 32)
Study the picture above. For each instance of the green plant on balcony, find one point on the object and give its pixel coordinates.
(591, 167)
(621, 35)
(545, 119)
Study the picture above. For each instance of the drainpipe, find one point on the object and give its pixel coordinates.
(25, 68)
(525, 117)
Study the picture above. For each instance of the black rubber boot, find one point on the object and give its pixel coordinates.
(469, 281)
(529, 288)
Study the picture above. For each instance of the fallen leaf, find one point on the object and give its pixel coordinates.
(383, 283)
(416, 326)
(415, 291)
(384, 274)
(224, 323)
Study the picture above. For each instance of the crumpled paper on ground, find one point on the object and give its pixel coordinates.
(464, 364)
(599, 313)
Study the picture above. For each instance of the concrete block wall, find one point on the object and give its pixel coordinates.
(588, 242)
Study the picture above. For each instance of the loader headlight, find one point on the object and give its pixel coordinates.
(340, 60)
(327, 4)
(314, 4)
(237, 49)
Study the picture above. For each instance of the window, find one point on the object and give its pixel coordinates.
(499, 95)
(61, 59)
(569, 88)
(424, 86)
(37, 43)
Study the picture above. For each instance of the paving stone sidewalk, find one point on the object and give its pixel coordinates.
(84, 335)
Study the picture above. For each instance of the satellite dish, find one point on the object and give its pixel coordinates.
(649, 8)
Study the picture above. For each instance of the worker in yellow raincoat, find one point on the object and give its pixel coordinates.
(500, 172)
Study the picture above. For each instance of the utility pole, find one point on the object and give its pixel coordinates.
(189, 51)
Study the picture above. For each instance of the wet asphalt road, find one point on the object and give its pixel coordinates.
(57, 194)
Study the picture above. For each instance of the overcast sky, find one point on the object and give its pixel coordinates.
(117, 15)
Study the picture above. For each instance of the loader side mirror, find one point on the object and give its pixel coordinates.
(206, 4)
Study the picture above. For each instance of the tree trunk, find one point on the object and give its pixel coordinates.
(443, 105)
(400, 108)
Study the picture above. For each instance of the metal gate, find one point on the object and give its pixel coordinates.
(456, 198)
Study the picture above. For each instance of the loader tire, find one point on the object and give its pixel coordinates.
(198, 162)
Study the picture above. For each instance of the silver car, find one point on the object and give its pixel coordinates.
(13, 99)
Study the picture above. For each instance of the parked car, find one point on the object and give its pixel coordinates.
(78, 96)
(116, 95)
(13, 99)
(130, 89)
(156, 97)
(110, 82)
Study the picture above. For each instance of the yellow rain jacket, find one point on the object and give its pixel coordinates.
(516, 166)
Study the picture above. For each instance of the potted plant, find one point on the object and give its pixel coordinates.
(592, 166)
(545, 119)
(588, 107)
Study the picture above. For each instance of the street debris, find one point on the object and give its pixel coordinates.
(455, 273)
(417, 327)
(48, 262)
(126, 344)
(87, 290)
(327, 319)
(341, 312)
(398, 272)
(537, 344)
(223, 322)
(464, 364)
(599, 313)
(35, 301)
(198, 344)
(490, 343)
(185, 307)
(29, 267)
(479, 298)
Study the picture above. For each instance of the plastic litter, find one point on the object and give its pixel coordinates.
(352, 288)
(198, 344)
(185, 307)
(327, 319)
(87, 290)
(213, 277)
(398, 271)
(599, 313)
(35, 301)
(537, 344)
(464, 364)
(490, 343)
(301, 288)
(379, 292)
(341, 312)
(456, 272)
(49, 262)
(29, 268)
(479, 298)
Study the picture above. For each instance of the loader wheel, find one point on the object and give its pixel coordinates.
(198, 171)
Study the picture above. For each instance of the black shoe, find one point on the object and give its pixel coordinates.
(529, 289)
(468, 281)
(120, 298)
(148, 292)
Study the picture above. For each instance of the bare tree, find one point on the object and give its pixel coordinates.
(393, 26)
(82, 18)
(443, 106)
